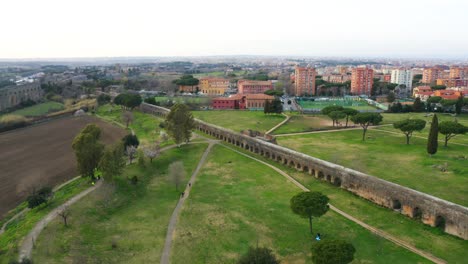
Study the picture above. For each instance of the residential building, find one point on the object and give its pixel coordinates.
(253, 87)
(213, 86)
(423, 92)
(242, 101)
(458, 72)
(453, 82)
(430, 75)
(304, 81)
(362, 79)
(189, 88)
(402, 77)
(336, 78)
(448, 94)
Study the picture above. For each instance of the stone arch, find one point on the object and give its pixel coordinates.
(312, 171)
(298, 166)
(285, 161)
(417, 213)
(329, 178)
(306, 169)
(440, 222)
(291, 163)
(320, 175)
(396, 204)
(247, 146)
(337, 181)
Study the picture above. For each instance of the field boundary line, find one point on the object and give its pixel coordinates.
(374, 230)
(166, 254)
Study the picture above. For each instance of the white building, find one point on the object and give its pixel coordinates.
(402, 77)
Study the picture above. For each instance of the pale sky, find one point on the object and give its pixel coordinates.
(107, 28)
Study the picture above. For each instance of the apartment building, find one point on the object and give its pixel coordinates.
(430, 75)
(362, 79)
(304, 81)
(402, 77)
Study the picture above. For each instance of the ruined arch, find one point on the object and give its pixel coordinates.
(337, 181)
(440, 222)
(320, 175)
(329, 178)
(396, 204)
(417, 213)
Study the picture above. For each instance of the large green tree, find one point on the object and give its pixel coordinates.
(128, 100)
(432, 140)
(331, 108)
(365, 120)
(258, 255)
(309, 204)
(180, 123)
(349, 112)
(332, 252)
(336, 115)
(418, 106)
(112, 162)
(88, 150)
(408, 126)
(451, 129)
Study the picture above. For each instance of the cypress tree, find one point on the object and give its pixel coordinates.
(432, 142)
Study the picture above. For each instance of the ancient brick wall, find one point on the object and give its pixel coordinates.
(11, 96)
(452, 218)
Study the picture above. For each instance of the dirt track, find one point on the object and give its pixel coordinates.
(42, 155)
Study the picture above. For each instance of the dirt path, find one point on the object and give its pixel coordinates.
(349, 217)
(328, 130)
(166, 254)
(28, 242)
(280, 124)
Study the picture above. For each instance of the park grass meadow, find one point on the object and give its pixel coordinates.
(238, 120)
(432, 240)
(305, 123)
(20, 227)
(237, 202)
(385, 155)
(39, 109)
(132, 217)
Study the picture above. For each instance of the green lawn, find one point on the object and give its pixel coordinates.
(450, 248)
(133, 217)
(358, 105)
(305, 123)
(240, 120)
(16, 230)
(237, 202)
(39, 109)
(386, 156)
(183, 99)
(146, 126)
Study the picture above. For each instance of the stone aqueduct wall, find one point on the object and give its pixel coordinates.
(453, 218)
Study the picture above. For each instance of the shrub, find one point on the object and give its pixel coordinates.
(9, 122)
(332, 252)
(39, 197)
(258, 255)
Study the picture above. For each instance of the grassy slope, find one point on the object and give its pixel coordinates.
(39, 109)
(237, 202)
(16, 230)
(388, 157)
(427, 238)
(240, 120)
(305, 123)
(135, 217)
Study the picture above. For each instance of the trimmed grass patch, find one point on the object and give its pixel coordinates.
(39, 109)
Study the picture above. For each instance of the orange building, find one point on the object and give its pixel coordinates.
(304, 81)
(448, 94)
(452, 82)
(213, 86)
(362, 79)
(253, 87)
(430, 75)
(242, 101)
(457, 72)
(189, 88)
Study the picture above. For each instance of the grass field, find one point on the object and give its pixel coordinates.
(146, 126)
(386, 156)
(16, 230)
(237, 202)
(358, 105)
(133, 217)
(240, 120)
(39, 109)
(305, 123)
(450, 248)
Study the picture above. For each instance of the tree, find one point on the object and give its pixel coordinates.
(259, 255)
(408, 126)
(451, 129)
(88, 150)
(112, 162)
(365, 120)
(332, 252)
(130, 151)
(434, 99)
(176, 173)
(331, 108)
(128, 100)
(180, 123)
(64, 213)
(130, 140)
(432, 140)
(418, 106)
(309, 204)
(335, 116)
(438, 87)
(391, 97)
(127, 117)
(152, 152)
(103, 99)
(39, 197)
(277, 106)
(267, 108)
(349, 112)
(459, 105)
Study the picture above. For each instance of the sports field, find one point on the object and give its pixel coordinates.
(320, 104)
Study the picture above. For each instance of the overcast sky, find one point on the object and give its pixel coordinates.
(102, 28)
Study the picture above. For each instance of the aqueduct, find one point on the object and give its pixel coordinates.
(433, 211)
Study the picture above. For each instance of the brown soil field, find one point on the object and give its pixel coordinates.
(42, 155)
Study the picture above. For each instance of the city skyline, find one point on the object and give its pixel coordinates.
(87, 29)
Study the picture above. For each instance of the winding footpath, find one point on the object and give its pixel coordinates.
(166, 254)
(280, 124)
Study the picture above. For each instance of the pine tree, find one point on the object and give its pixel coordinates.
(432, 142)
